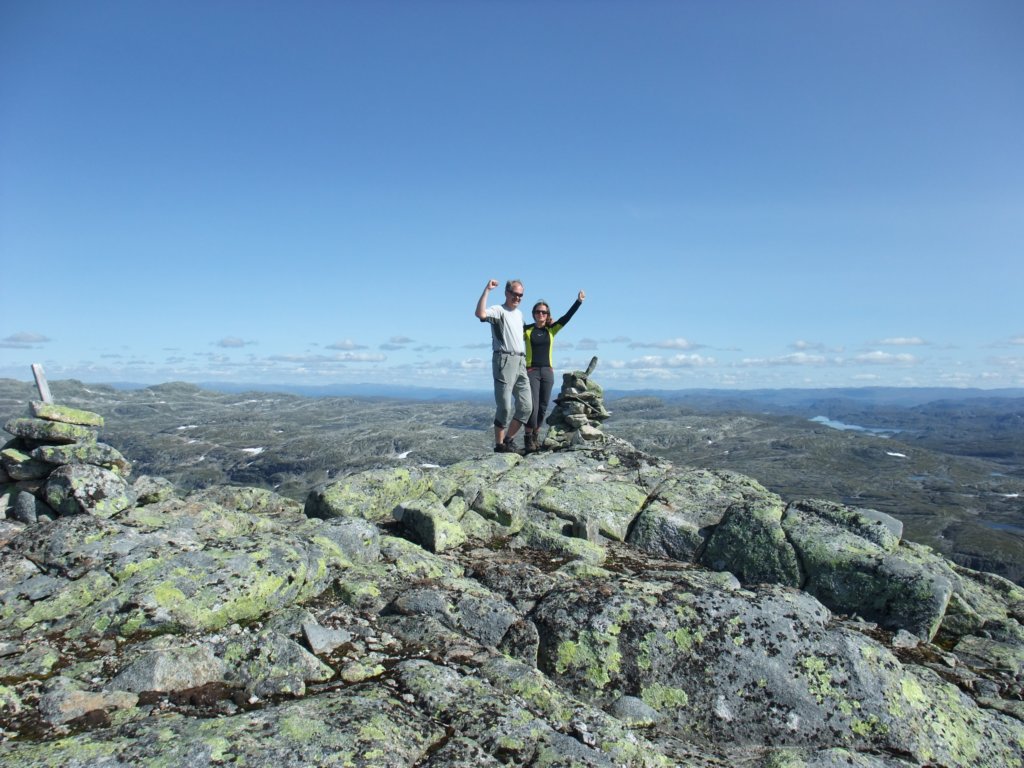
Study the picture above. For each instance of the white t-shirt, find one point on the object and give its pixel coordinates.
(506, 329)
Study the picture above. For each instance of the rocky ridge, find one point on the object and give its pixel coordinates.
(593, 606)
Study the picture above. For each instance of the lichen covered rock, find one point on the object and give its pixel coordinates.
(582, 607)
(78, 489)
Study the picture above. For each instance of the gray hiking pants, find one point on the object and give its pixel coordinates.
(511, 388)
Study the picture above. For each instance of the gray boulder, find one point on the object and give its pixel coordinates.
(98, 454)
(372, 495)
(19, 465)
(76, 489)
(684, 509)
(675, 642)
(901, 587)
(430, 524)
(64, 700)
(168, 666)
(28, 509)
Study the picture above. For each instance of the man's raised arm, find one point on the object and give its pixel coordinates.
(481, 305)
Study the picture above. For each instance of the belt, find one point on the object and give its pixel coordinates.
(514, 354)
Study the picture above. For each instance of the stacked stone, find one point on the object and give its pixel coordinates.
(578, 412)
(55, 466)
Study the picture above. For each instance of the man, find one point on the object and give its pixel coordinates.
(508, 363)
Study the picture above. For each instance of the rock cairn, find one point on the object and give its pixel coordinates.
(578, 412)
(55, 466)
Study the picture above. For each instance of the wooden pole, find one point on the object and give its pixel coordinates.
(41, 385)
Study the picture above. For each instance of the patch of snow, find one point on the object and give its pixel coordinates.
(430, 466)
(1010, 495)
(898, 455)
(254, 451)
(187, 426)
(403, 455)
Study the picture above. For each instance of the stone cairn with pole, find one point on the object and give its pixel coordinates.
(55, 465)
(578, 412)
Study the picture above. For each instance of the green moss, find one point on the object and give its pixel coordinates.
(947, 728)
(234, 654)
(220, 748)
(595, 653)
(358, 592)
(663, 697)
(869, 727)
(784, 758)
(66, 414)
(168, 596)
(819, 678)
(340, 560)
(685, 613)
(145, 517)
(9, 700)
(539, 694)
(645, 649)
(301, 728)
(71, 600)
(138, 567)
(511, 743)
(132, 623)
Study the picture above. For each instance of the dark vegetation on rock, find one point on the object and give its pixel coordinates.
(592, 606)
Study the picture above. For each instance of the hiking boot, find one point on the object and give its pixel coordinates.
(531, 442)
(509, 446)
(504, 448)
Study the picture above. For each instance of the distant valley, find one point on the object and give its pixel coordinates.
(952, 468)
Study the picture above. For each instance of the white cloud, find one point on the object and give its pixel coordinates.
(346, 345)
(23, 340)
(904, 341)
(233, 342)
(400, 340)
(328, 360)
(878, 357)
(677, 343)
(676, 361)
(797, 358)
(802, 346)
(1017, 339)
(589, 344)
(1005, 362)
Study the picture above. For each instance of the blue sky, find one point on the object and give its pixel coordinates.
(752, 194)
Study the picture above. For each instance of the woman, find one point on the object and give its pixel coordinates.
(539, 336)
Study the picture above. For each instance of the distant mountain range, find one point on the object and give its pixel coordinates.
(782, 400)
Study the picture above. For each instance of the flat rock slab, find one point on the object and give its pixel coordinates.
(50, 431)
(62, 413)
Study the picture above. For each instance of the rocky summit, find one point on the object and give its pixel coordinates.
(589, 606)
